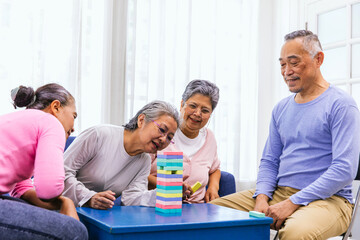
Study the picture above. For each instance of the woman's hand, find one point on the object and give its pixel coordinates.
(211, 194)
(31, 197)
(68, 207)
(187, 191)
(152, 182)
(213, 186)
(102, 200)
(64, 204)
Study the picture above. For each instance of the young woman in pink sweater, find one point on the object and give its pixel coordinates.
(198, 144)
(32, 144)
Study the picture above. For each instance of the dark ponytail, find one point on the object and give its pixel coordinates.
(41, 98)
(22, 96)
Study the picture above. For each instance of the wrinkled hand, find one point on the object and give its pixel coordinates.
(64, 204)
(68, 207)
(187, 191)
(211, 194)
(261, 203)
(279, 212)
(102, 200)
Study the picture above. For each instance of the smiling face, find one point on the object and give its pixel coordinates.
(196, 112)
(156, 135)
(67, 115)
(298, 68)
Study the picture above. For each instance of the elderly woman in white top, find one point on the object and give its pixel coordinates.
(196, 141)
(107, 161)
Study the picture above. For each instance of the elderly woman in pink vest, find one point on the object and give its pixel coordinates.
(198, 144)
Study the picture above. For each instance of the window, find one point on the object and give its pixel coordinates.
(57, 41)
(337, 24)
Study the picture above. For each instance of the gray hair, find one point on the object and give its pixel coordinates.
(202, 87)
(153, 111)
(310, 41)
(42, 97)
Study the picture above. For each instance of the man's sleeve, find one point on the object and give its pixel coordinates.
(269, 165)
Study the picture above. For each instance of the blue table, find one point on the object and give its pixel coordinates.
(197, 221)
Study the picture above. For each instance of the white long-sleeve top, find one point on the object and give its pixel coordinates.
(97, 161)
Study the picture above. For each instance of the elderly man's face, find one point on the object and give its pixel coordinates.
(298, 68)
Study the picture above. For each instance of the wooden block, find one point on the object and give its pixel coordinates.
(256, 214)
(196, 186)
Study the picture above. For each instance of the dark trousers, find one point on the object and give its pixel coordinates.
(20, 220)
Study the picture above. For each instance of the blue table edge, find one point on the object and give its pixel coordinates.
(175, 226)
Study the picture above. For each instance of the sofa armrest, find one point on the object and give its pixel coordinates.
(68, 142)
(227, 184)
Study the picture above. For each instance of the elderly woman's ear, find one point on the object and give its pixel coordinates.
(141, 120)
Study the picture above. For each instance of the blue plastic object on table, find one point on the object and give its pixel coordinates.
(197, 221)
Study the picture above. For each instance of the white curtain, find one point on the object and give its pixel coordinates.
(36, 45)
(170, 43)
(79, 44)
(115, 56)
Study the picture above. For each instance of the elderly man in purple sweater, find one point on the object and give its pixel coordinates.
(312, 153)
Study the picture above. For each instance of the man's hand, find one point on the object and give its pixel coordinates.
(187, 191)
(279, 212)
(261, 203)
(102, 200)
(211, 194)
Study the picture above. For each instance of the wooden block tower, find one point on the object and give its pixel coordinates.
(169, 182)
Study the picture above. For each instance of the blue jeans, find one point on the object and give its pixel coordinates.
(20, 220)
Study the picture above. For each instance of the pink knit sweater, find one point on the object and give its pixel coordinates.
(31, 144)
